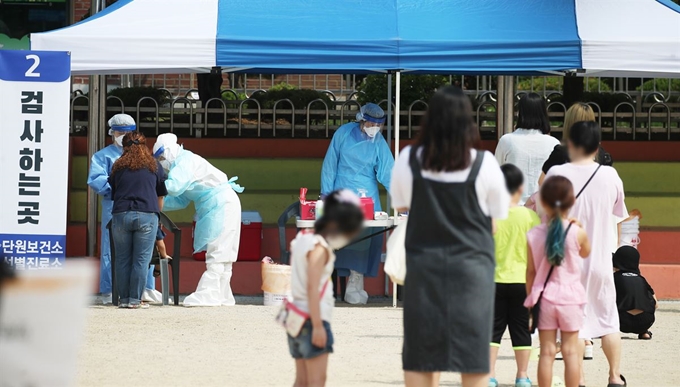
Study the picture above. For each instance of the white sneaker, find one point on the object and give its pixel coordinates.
(588, 355)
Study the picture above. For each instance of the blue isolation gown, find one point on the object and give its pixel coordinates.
(98, 179)
(357, 162)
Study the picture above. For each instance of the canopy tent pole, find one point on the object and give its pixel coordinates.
(396, 155)
(95, 140)
(389, 145)
(505, 105)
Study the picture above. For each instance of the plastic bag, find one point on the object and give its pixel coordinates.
(395, 262)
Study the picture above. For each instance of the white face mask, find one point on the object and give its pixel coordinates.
(337, 242)
(372, 131)
(118, 140)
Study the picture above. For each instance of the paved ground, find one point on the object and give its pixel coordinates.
(241, 346)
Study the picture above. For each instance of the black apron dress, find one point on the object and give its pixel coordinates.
(449, 286)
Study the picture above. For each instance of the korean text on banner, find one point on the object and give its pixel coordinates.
(34, 149)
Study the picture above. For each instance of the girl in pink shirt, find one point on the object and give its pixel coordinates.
(558, 243)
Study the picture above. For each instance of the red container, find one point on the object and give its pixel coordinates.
(307, 208)
(367, 207)
(250, 245)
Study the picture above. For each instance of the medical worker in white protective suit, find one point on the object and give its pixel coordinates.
(218, 216)
(98, 180)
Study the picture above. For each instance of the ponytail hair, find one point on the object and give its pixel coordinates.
(557, 193)
(554, 243)
(342, 208)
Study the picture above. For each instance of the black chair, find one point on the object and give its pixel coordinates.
(293, 211)
(155, 260)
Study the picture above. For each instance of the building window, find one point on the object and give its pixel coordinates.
(19, 18)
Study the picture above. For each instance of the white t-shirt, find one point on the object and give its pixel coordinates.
(493, 196)
(300, 247)
(527, 149)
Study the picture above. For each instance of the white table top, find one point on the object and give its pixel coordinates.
(367, 223)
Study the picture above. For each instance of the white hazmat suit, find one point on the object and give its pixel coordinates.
(218, 216)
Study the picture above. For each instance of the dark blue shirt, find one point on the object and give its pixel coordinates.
(137, 190)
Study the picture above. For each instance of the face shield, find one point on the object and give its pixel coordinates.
(372, 119)
(372, 126)
(121, 124)
(159, 154)
(166, 150)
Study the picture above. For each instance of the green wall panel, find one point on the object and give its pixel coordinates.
(273, 184)
(653, 178)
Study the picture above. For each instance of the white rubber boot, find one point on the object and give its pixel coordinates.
(209, 291)
(355, 293)
(152, 296)
(225, 285)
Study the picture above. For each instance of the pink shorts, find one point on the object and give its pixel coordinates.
(566, 318)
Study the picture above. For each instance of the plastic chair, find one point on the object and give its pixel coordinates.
(155, 260)
(293, 211)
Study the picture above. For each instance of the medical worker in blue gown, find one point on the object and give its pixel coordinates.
(98, 180)
(218, 216)
(357, 159)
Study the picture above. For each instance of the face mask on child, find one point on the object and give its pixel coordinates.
(337, 242)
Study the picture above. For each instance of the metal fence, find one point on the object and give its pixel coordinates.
(633, 119)
(342, 86)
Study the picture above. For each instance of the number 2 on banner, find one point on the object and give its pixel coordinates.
(36, 62)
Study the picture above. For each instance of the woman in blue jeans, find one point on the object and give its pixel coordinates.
(137, 186)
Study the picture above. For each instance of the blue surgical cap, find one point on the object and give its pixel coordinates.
(372, 113)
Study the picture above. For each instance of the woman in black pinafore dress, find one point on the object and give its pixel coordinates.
(449, 285)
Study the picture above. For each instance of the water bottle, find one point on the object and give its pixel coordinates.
(319, 208)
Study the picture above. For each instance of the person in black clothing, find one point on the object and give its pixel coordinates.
(577, 112)
(137, 187)
(635, 299)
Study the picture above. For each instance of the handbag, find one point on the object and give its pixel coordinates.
(395, 262)
(292, 318)
(535, 311)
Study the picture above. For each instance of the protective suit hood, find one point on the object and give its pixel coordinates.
(166, 146)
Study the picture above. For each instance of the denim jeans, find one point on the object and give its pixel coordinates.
(134, 236)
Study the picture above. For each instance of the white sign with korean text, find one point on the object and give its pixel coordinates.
(34, 156)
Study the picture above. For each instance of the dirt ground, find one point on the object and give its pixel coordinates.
(241, 346)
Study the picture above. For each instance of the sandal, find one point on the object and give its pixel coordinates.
(645, 336)
(618, 385)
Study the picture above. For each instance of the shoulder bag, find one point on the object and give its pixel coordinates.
(395, 261)
(293, 318)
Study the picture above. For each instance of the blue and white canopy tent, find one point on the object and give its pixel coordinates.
(509, 37)
(610, 38)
